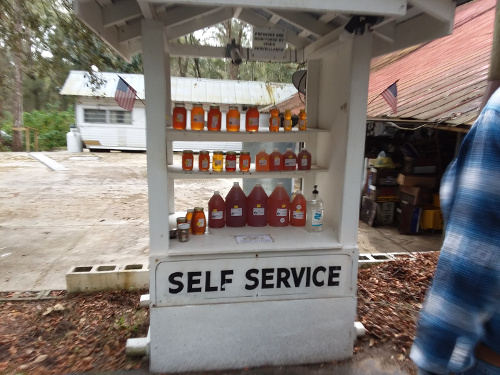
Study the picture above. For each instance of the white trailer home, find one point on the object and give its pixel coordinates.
(104, 125)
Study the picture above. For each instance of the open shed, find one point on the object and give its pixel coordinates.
(238, 297)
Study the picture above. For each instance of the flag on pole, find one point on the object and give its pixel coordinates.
(125, 95)
(390, 95)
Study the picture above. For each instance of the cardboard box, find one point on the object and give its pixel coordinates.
(419, 181)
(383, 193)
(385, 213)
(431, 218)
(414, 195)
(408, 218)
(381, 176)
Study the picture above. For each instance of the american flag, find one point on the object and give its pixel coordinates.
(390, 95)
(125, 95)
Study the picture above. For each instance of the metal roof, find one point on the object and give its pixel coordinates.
(189, 90)
(311, 26)
(442, 81)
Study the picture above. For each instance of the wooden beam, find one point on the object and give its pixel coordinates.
(442, 10)
(321, 43)
(365, 7)
(198, 23)
(117, 13)
(181, 14)
(303, 21)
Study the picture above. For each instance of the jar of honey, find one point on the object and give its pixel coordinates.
(179, 116)
(204, 160)
(214, 118)
(231, 161)
(189, 217)
(274, 120)
(217, 161)
(252, 119)
(198, 223)
(302, 120)
(287, 123)
(233, 119)
(245, 161)
(197, 117)
(187, 160)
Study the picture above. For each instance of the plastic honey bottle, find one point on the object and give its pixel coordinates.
(302, 120)
(298, 210)
(279, 207)
(314, 215)
(257, 205)
(287, 123)
(304, 160)
(274, 120)
(289, 160)
(262, 161)
(236, 207)
(216, 211)
(275, 160)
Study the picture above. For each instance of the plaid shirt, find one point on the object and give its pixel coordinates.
(462, 308)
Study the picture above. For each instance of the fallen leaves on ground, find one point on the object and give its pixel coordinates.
(390, 296)
(88, 332)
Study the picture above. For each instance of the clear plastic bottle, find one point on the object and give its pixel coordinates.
(298, 210)
(216, 211)
(314, 217)
(257, 205)
(279, 207)
(236, 207)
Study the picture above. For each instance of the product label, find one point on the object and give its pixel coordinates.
(281, 212)
(303, 162)
(236, 211)
(262, 161)
(317, 218)
(204, 163)
(245, 162)
(253, 121)
(290, 162)
(234, 121)
(179, 117)
(218, 163)
(277, 160)
(298, 215)
(258, 211)
(302, 124)
(217, 215)
(231, 164)
(274, 122)
(188, 163)
(200, 223)
(215, 121)
(198, 118)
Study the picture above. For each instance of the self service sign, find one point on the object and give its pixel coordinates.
(252, 279)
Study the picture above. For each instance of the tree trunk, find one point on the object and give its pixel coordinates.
(17, 107)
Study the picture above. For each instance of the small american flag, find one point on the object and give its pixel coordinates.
(390, 95)
(125, 95)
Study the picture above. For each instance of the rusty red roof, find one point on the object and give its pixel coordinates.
(438, 82)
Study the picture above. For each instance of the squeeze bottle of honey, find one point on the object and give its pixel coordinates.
(298, 210)
(262, 161)
(257, 205)
(302, 120)
(216, 211)
(274, 120)
(279, 207)
(287, 123)
(236, 207)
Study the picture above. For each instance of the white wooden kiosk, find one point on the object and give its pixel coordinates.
(220, 304)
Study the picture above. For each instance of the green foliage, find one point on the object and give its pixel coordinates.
(52, 127)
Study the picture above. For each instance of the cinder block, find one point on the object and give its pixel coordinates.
(107, 277)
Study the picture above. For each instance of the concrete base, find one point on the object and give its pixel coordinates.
(252, 334)
(107, 277)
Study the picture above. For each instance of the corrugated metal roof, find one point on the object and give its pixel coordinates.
(442, 81)
(189, 90)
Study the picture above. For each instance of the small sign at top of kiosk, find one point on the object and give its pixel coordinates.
(268, 43)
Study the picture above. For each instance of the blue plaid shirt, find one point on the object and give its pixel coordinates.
(462, 307)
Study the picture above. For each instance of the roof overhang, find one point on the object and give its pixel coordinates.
(313, 28)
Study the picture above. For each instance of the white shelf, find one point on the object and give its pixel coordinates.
(177, 172)
(222, 241)
(263, 135)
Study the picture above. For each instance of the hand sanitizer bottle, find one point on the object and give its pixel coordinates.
(314, 216)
